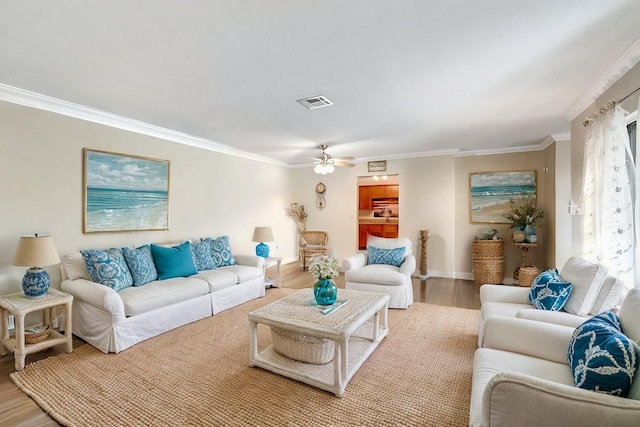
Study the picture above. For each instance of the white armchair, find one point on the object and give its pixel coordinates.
(522, 377)
(382, 278)
(594, 291)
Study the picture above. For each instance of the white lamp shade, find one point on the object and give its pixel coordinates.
(262, 234)
(36, 251)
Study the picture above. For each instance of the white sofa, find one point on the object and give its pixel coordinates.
(382, 278)
(522, 377)
(113, 320)
(593, 291)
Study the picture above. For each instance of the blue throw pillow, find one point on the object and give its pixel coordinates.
(549, 291)
(173, 262)
(601, 357)
(201, 253)
(141, 266)
(386, 256)
(221, 251)
(107, 267)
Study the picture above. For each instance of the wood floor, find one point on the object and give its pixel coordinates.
(16, 409)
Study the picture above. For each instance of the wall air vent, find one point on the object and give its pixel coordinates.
(315, 102)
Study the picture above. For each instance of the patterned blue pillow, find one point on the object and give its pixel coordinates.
(107, 268)
(386, 256)
(141, 266)
(549, 291)
(201, 253)
(175, 261)
(601, 357)
(221, 251)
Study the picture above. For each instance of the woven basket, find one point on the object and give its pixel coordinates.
(301, 347)
(483, 249)
(526, 275)
(488, 271)
(41, 334)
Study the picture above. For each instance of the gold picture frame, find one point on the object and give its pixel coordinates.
(123, 192)
(490, 193)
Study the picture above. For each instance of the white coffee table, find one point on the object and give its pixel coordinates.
(356, 327)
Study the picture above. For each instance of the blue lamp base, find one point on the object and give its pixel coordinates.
(35, 283)
(262, 250)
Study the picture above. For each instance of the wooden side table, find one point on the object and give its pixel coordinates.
(525, 248)
(277, 282)
(19, 305)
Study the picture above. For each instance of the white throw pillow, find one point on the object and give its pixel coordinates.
(74, 267)
(587, 279)
(611, 294)
(390, 243)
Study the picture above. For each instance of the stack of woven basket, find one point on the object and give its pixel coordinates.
(487, 261)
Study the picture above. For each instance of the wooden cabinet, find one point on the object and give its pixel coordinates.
(365, 200)
(367, 193)
(380, 230)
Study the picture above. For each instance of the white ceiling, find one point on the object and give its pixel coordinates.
(407, 77)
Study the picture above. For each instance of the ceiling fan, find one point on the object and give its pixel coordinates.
(325, 163)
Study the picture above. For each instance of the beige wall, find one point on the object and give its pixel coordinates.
(465, 230)
(211, 194)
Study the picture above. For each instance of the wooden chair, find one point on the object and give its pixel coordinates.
(312, 243)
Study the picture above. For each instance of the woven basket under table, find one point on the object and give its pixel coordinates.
(35, 337)
(526, 275)
(301, 347)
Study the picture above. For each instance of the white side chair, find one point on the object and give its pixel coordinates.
(382, 278)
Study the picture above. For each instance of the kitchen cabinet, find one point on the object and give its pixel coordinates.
(367, 193)
(380, 230)
(365, 200)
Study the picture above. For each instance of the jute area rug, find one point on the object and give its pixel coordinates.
(198, 375)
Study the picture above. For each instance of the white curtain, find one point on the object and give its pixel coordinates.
(607, 191)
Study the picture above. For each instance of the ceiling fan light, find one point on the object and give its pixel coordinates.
(329, 168)
(318, 168)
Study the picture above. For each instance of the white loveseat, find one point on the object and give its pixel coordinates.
(593, 291)
(522, 377)
(114, 320)
(392, 280)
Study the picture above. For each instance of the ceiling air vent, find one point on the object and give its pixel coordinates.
(315, 102)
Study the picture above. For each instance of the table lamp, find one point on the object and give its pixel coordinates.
(262, 234)
(36, 252)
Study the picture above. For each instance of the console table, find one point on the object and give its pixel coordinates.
(19, 306)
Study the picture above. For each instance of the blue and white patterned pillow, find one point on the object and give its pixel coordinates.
(141, 265)
(601, 357)
(221, 251)
(108, 268)
(549, 291)
(386, 256)
(201, 253)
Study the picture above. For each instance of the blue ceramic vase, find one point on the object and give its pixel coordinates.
(325, 292)
(530, 234)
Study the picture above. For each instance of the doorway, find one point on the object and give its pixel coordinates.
(378, 207)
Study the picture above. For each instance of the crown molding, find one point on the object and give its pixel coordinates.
(42, 102)
(626, 62)
(58, 106)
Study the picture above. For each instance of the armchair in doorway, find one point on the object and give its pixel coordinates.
(386, 267)
(312, 243)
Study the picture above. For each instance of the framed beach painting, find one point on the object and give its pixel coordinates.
(124, 192)
(490, 192)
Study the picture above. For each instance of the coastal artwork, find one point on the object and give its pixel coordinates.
(490, 192)
(124, 192)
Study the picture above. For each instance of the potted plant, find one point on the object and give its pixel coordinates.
(525, 215)
(324, 268)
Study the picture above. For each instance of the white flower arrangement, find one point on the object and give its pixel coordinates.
(323, 266)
